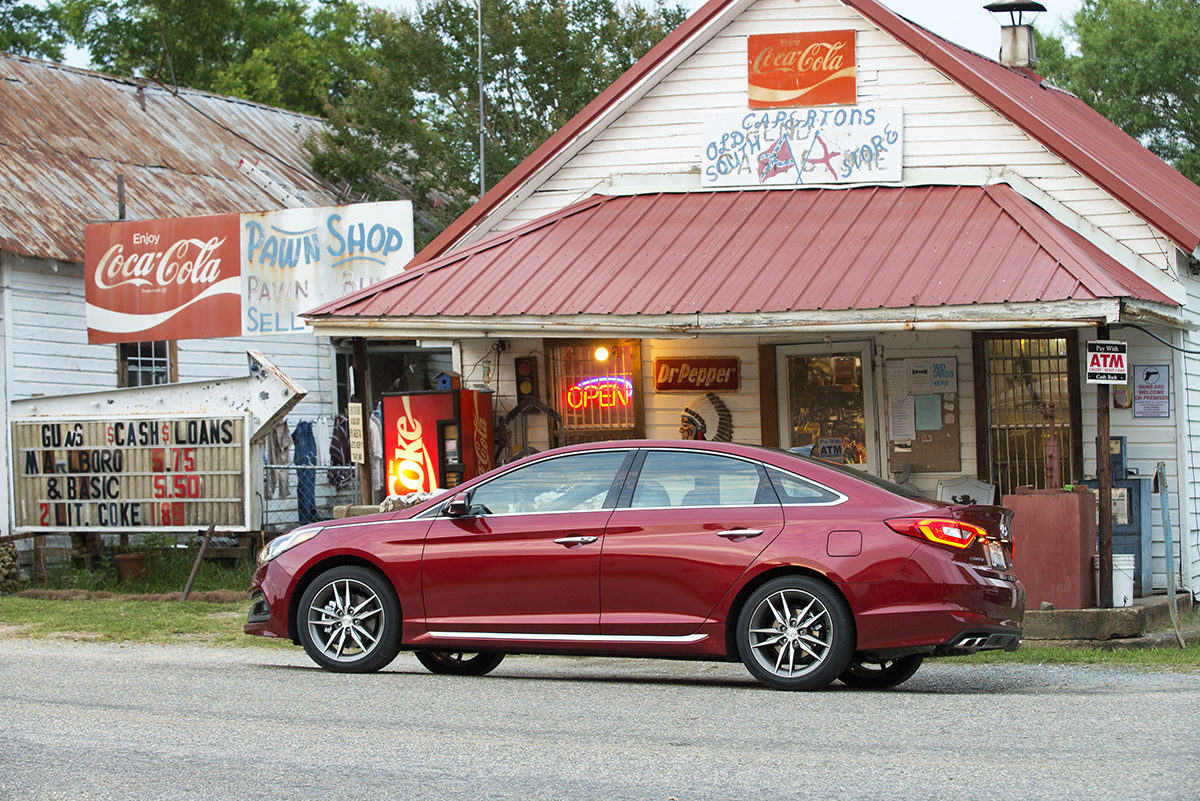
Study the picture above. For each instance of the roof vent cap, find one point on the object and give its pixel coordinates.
(1016, 37)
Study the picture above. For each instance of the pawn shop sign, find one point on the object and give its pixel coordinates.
(1107, 362)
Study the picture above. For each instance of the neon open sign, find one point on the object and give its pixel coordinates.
(601, 393)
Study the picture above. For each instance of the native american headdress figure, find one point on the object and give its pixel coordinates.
(704, 414)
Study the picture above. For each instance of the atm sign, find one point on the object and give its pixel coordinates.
(1107, 362)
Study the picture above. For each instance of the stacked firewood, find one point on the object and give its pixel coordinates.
(10, 575)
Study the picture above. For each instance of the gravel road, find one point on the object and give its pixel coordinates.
(98, 721)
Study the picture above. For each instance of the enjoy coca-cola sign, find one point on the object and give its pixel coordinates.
(801, 69)
(163, 279)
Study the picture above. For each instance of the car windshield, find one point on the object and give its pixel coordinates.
(882, 483)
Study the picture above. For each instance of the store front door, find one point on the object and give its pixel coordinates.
(827, 402)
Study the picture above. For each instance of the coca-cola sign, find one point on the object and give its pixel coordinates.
(794, 69)
(163, 279)
(231, 275)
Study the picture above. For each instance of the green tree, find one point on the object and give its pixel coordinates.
(30, 31)
(415, 121)
(280, 52)
(1139, 66)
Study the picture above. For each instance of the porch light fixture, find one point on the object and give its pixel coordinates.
(602, 353)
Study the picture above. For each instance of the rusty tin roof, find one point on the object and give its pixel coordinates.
(67, 133)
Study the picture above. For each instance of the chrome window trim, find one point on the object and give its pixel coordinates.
(436, 509)
(841, 497)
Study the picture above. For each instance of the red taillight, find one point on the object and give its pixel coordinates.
(954, 533)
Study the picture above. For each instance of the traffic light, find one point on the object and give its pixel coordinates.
(527, 377)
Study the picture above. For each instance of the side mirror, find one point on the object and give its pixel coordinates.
(458, 506)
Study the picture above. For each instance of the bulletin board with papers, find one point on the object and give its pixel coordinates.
(923, 414)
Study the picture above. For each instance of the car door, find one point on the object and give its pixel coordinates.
(694, 522)
(527, 558)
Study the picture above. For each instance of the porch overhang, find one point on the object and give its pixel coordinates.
(767, 263)
(1013, 316)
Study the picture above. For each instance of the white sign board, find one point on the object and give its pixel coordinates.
(803, 146)
(294, 260)
(1152, 390)
(1107, 362)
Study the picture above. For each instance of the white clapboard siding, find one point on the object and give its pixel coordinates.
(1189, 466)
(306, 359)
(46, 349)
(948, 131)
(1148, 441)
(663, 408)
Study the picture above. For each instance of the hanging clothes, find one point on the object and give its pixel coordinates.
(279, 451)
(306, 479)
(341, 470)
(323, 434)
(376, 452)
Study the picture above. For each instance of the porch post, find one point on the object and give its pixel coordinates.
(1104, 482)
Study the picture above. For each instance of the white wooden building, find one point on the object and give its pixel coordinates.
(68, 137)
(1011, 226)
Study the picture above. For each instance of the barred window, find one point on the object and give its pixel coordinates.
(598, 398)
(1027, 381)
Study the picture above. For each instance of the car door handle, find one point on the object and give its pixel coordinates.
(739, 534)
(575, 542)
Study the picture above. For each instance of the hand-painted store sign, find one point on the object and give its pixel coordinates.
(792, 69)
(803, 147)
(129, 474)
(716, 374)
(178, 278)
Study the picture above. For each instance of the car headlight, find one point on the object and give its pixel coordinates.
(286, 543)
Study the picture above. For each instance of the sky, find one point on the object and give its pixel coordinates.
(966, 23)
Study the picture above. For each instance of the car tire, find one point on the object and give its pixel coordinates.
(349, 620)
(796, 633)
(881, 675)
(457, 663)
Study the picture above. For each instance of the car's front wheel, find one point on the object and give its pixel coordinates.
(796, 633)
(350, 620)
(457, 663)
(881, 675)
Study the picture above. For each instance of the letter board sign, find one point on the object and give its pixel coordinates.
(130, 473)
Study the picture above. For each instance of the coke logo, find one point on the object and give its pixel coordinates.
(176, 265)
(816, 57)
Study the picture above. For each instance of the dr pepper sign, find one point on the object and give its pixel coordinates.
(1107, 362)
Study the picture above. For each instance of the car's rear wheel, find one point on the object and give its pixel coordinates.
(350, 620)
(796, 633)
(881, 675)
(457, 663)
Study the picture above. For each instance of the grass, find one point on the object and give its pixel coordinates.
(94, 605)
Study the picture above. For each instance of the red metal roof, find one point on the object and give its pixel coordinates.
(1066, 126)
(761, 251)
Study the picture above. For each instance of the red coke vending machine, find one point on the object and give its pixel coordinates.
(435, 439)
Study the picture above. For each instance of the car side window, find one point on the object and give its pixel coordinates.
(793, 489)
(689, 479)
(572, 483)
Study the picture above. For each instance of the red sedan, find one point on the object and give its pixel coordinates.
(806, 572)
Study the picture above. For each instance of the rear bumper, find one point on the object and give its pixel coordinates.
(938, 606)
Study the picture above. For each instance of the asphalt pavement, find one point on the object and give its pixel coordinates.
(100, 721)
